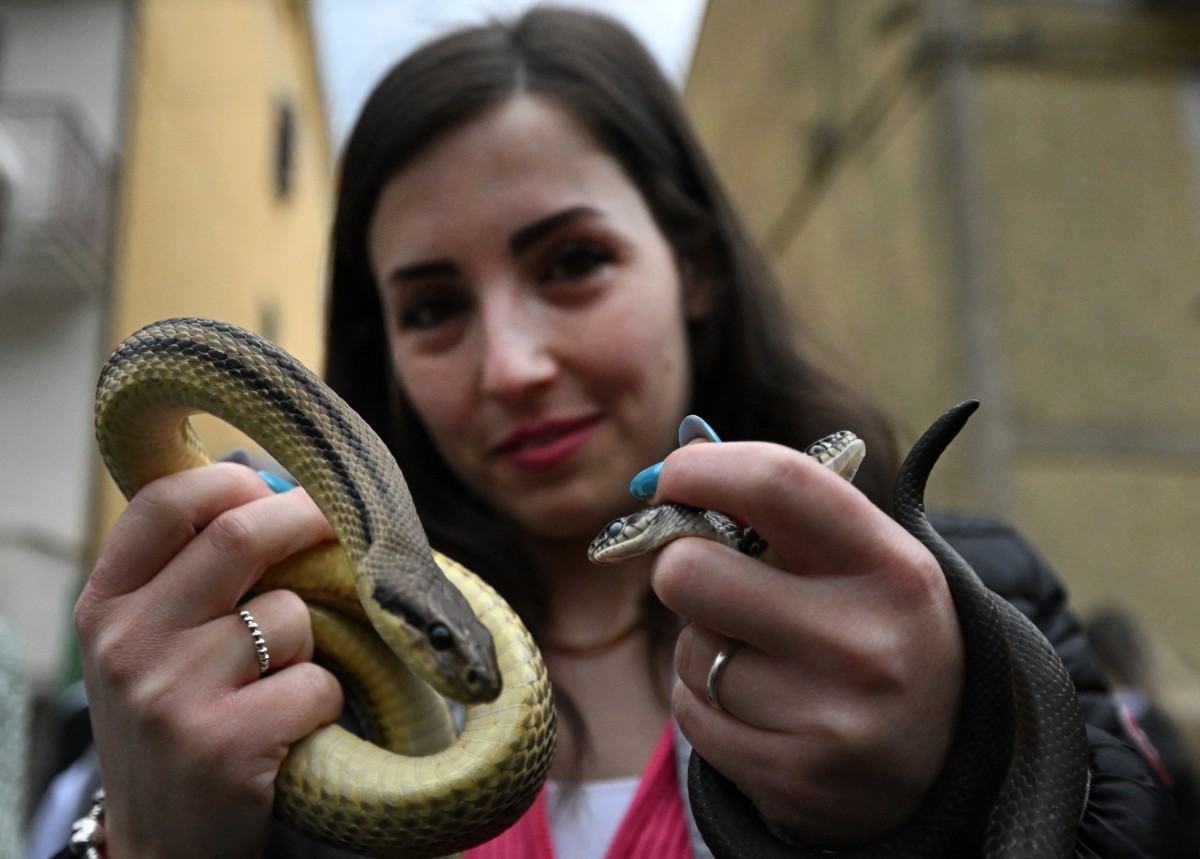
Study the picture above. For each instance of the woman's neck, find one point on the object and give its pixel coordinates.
(601, 657)
(587, 605)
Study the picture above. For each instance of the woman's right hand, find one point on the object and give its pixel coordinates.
(189, 735)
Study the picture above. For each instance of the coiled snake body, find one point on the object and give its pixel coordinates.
(1015, 781)
(432, 791)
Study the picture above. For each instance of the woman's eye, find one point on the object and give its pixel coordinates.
(577, 261)
(429, 312)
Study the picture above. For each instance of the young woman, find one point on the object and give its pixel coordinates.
(535, 276)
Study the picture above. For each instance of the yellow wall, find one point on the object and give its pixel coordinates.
(203, 230)
(1020, 224)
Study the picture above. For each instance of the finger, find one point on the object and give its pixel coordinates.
(827, 772)
(228, 645)
(703, 660)
(740, 597)
(737, 750)
(164, 517)
(792, 780)
(208, 577)
(751, 686)
(693, 429)
(833, 623)
(292, 703)
(789, 498)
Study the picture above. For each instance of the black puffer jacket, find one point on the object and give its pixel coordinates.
(1129, 813)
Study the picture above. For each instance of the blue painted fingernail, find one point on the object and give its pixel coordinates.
(643, 485)
(277, 483)
(694, 427)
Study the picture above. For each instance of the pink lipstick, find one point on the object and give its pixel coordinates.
(542, 445)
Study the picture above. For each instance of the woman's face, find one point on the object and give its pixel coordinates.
(535, 314)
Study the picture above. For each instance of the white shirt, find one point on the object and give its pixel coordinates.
(584, 818)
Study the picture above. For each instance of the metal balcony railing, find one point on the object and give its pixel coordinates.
(55, 206)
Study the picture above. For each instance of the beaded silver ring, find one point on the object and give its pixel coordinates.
(260, 643)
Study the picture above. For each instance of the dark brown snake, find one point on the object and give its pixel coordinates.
(1016, 778)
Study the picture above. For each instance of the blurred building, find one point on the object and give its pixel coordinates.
(996, 199)
(61, 74)
(157, 158)
(988, 198)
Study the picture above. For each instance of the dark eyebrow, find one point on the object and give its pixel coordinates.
(519, 241)
(417, 271)
(528, 235)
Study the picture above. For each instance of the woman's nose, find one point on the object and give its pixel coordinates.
(517, 354)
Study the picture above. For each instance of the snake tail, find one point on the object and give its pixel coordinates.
(953, 816)
(1044, 780)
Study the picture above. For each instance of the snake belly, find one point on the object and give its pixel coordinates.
(1016, 778)
(401, 625)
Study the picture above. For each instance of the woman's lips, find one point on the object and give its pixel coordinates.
(543, 445)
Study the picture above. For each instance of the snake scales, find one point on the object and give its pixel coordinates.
(431, 790)
(1016, 778)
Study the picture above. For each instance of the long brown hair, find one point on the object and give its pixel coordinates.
(749, 380)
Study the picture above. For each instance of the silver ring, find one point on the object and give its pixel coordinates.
(714, 673)
(260, 643)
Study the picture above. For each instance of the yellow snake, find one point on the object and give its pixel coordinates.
(426, 789)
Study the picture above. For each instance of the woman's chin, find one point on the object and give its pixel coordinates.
(564, 518)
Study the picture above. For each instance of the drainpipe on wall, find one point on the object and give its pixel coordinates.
(990, 434)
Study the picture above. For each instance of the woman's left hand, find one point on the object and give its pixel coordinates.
(839, 705)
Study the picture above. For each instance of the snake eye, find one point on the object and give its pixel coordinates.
(615, 528)
(440, 637)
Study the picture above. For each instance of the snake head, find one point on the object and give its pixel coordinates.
(434, 632)
(622, 539)
(651, 528)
